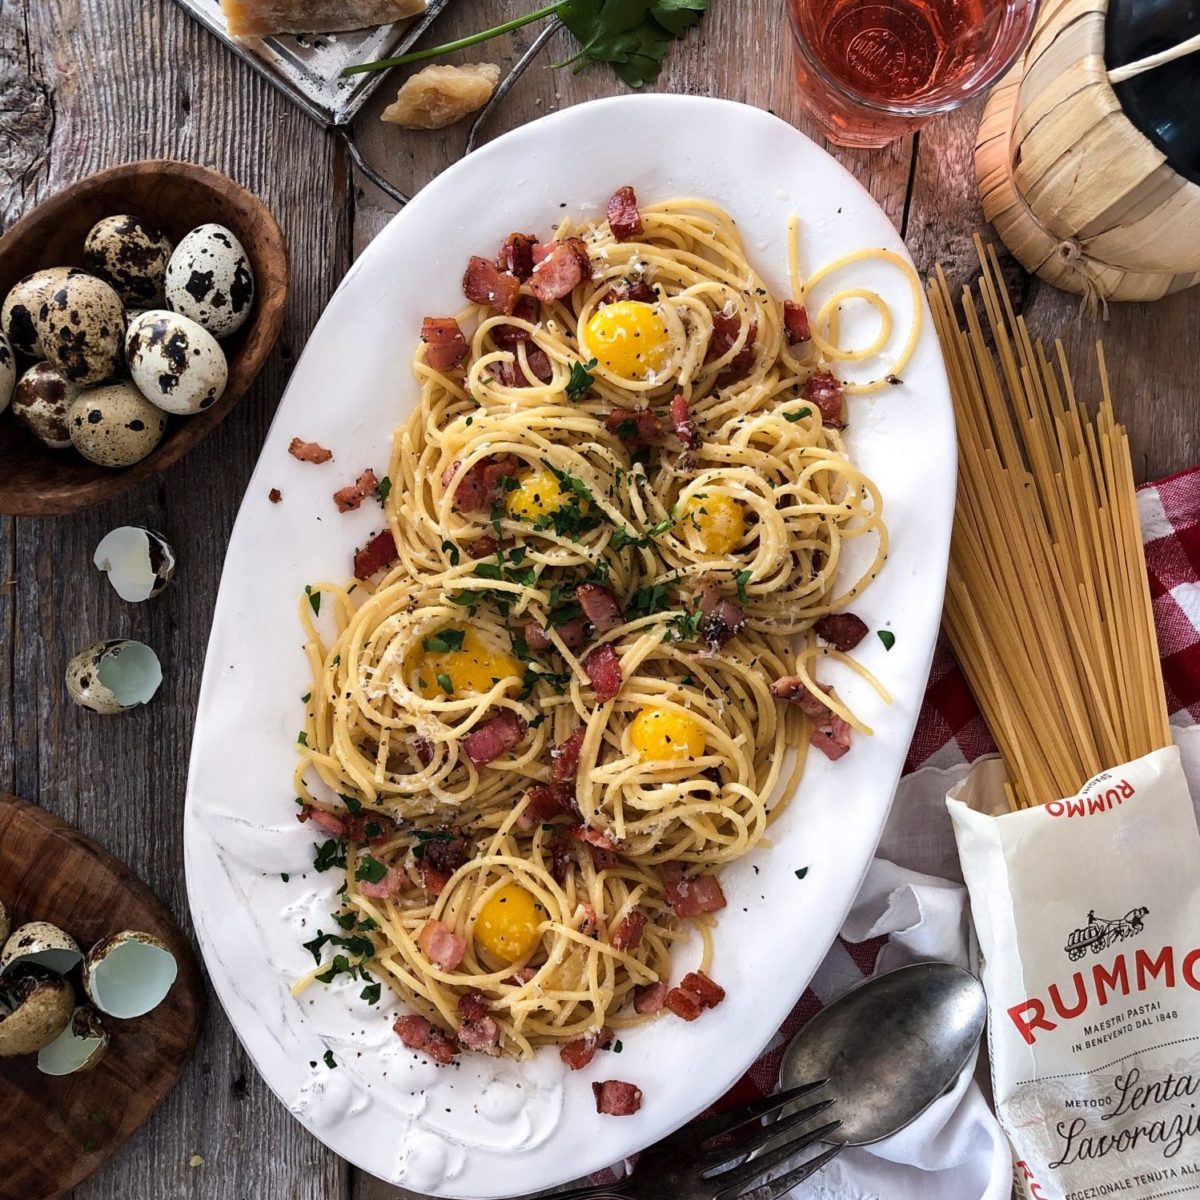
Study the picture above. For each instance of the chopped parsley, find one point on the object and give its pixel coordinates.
(798, 415)
(302, 738)
(623, 537)
(648, 600)
(741, 579)
(801, 872)
(306, 698)
(384, 489)
(580, 380)
(314, 599)
(371, 993)
(330, 1061)
(887, 637)
(330, 854)
(353, 803)
(444, 641)
(445, 683)
(452, 552)
(370, 869)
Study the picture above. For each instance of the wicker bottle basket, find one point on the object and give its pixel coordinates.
(1079, 195)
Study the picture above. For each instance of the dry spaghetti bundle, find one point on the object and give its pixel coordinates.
(1048, 608)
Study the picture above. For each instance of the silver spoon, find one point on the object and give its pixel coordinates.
(887, 1050)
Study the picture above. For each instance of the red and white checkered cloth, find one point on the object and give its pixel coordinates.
(951, 731)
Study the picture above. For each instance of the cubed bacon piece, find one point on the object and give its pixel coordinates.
(693, 897)
(516, 255)
(522, 977)
(312, 452)
(484, 284)
(563, 267)
(369, 827)
(601, 847)
(431, 879)
(494, 737)
(573, 633)
(832, 738)
(422, 1035)
(706, 990)
(477, 1030)
(617, 1099)
(512, 375)
(794, 690)
(564, 757)
(480, 486)
(536, 638)
(795, 323)
(349, 498)
(329, 822)
(378, 553)
(721, 619)
(446, 853)
(623, 217)
(630, 289)
(482, 547)
(581, 1051)
(600, 605)
(683, 1004)
(546, 801)
(445, 346)
(274, 495)
(392, 884)
(634, 426)
(649, 999)
(603, 668)
(843, 631)
(726, 330)
(423, 749)
(681, 421)
(822, 389)
(441, 945)
(628, 935)
(506, 337)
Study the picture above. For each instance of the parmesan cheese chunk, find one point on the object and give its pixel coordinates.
(439, 96)
(262, 18)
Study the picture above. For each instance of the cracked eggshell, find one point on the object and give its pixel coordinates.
(8, 372)
(40, 944)
(79, 1047)
(177, 365)
(41, 402)
(209, 279)
(114, 676)
(131, 255)
(80, 326)
(129, 974)
(139, 563)
(19, 313)
(35, 1007)
(115, 425)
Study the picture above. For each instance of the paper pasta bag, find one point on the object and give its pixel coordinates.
(1087, 911)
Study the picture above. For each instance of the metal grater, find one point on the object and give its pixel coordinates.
(308, 67)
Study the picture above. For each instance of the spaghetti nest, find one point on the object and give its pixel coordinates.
(616, 516)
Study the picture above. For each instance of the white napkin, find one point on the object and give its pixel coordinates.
(913, 893)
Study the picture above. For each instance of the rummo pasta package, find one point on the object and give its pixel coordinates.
(1087, 911)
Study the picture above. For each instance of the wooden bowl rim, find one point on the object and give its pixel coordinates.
(270, 303)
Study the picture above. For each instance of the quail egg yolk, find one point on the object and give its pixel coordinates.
(459, 657)
(664, 734)
(629, 338)
(718, 521)
(507, 925)
(537, 494)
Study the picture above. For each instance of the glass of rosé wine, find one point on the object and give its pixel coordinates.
(870, 71)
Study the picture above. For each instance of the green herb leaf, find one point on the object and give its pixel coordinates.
(444, 641)
(452, 551)
(317, 945)
(741, 579)
(306, 698)
(330, 1061)
(646, 601)
(330, 854)
(580, 380)
(384, 489)
(798, 415)
(801, 872)
(887, 637)
(445, 683)
(302, 738)
(353, 803)
(314, 599)
(369, 869)
(371, 993)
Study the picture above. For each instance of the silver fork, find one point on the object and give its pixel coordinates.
(708, 1159)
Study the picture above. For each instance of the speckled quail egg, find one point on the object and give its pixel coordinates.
(18, 315)
(115, 425)
(80, 326)
(129, 974)
(8, 372)
(40, 944)
(41, 402)
(80, 1046)
(35, 1007)
(209, 279)
(114, 676)
(139, 563)
(176, 364)
(131, 255)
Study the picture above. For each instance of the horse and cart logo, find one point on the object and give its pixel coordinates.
(1098, 934)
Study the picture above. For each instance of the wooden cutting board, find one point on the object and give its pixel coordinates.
(57, 1132)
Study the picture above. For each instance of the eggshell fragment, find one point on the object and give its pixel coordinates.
(139, 562)
(177, 364)
(209, 279)
(80, 1046)
(115, 425)
(114, 676)
(129, 974)
(35, 1007)
(40, 944)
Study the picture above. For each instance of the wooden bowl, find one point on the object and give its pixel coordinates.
(175, 196)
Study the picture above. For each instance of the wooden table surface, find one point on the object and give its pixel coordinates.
(89, 83)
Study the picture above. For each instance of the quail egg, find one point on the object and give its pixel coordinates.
(129, 974)
(40, 944)
(8, 372)
(209, 279)
(132, 256)
(139, 562)
(19, 314)
(79, 1047)
(35, 1006)
(177, 364)
(80, 326)
(41, 402)
(114, 676)
(115, 425)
